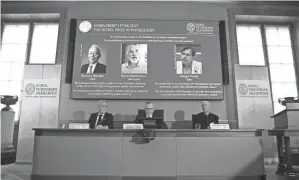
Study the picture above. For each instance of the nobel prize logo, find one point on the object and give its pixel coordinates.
(85, 26)
(243, 90)
(30, 89)
(190, 27)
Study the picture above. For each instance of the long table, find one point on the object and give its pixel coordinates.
(125, 155)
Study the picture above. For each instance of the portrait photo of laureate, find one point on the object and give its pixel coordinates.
(187, 63)
(134, 59)
(94, 66)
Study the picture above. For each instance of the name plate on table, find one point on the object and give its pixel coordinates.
(78, 126)
(219, 126)
(132, 126)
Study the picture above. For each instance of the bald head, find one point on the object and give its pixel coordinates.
(205, 105)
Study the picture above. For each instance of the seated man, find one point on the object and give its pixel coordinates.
(149, 112)
(205, 118)
(101, 119)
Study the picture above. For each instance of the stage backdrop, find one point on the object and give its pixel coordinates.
(157, 47)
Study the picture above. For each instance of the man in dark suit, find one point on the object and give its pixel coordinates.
(205, 118)
(94, 54)
(149, 112)
(101, 119)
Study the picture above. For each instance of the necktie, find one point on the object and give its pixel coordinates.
(99, 118)
(89, 70)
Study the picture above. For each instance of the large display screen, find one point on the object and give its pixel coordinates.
(147, 59)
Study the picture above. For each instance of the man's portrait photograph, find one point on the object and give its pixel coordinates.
(188, 59)
(93, 60)
(134, 59)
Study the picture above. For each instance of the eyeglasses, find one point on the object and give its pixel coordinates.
(149, 108)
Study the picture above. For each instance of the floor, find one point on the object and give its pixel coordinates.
(22, 172)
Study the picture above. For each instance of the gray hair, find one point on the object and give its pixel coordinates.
(97, 48)
(127, 48)
(102, 101)
(148, 102)
(208, 103)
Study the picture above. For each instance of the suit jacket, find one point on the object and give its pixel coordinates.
(196, 67)
(100, 68)
(205, 120)
(107, 120)
(155, 114)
